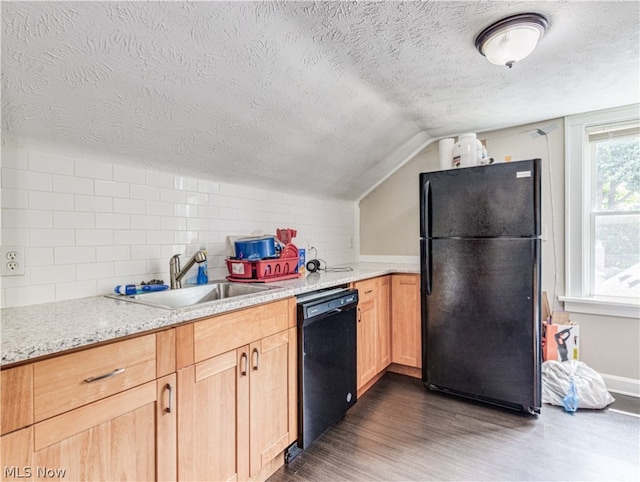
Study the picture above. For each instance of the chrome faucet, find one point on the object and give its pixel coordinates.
(176, 274)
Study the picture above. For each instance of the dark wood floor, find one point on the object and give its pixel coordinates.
(400, 431)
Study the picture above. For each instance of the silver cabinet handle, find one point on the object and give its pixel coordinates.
(257, 354)
(117, 371)
(170, 407)
(245, 362)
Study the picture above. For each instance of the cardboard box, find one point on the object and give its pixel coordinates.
(561, 342)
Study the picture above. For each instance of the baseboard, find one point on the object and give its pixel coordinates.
(405, 370)
(622, 385)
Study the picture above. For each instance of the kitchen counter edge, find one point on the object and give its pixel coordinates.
(31, 332)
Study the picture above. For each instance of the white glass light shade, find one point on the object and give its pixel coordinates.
(511, 39)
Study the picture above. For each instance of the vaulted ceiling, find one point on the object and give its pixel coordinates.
(320, 97)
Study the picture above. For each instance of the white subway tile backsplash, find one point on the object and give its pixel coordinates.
(198, 198)
(207, 186)
(29, 295)
(15, 198)
(172, 223)
(51, 200)
(70, 184)
(74, 254)
(38, 256)
(149, 193)
(185, 183)
(159, 179)
(72, 219)
(185, 237)
(75, 289)
(33, 181)
(236, 191)
(112, 221)
(113, 253)
(15, 236)
(94, 237)
(173, 195)
(186, 210)
(197, 224)
(93, 204)
(41, 275)
(126, 174)
(218, 200)
(46, 162)
(18, 281)
(159, 208)
(93, 170)
(93, 271)
(146, 251)
(26, 218)
(111, 189)
(130, 268)
(157, 236)
(142, 221)
(228, 213)
(86, 231)
(129, 237)
(129, 206)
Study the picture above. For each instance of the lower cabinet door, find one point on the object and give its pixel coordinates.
(208, 394)
(366, 329)
(269, 400)
(111, 439)
(16, 455)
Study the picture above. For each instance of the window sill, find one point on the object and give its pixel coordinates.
(601, 306)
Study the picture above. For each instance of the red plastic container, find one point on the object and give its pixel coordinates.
(262, 270)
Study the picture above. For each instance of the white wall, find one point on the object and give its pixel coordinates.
(87, 226)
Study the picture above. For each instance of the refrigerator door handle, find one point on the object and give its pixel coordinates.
(425, 245)
(425, 213)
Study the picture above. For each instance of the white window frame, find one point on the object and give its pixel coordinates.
(578, 196)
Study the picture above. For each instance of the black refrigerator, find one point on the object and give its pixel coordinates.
(480, 283)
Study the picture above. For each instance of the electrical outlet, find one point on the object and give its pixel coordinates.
(12, 261)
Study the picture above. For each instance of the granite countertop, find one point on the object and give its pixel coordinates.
(38, 330)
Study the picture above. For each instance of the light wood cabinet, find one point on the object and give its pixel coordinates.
(383, 323)
(405, 312)
(70, 381)
(208, 394)
(16, 455)
(366, 339)
(373, 329)
(236, 409)
(211, 400)
(118, 427)
(16, 398)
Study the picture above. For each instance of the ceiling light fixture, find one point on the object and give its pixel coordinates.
(511, 39)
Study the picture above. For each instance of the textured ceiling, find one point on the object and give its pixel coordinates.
(273, 94)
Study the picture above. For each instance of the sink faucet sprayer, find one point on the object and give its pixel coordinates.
(176, 274)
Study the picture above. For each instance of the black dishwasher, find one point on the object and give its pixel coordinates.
(327, 360)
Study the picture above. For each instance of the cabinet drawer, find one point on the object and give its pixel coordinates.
(366, 288)
(70, 381)
(226, 332)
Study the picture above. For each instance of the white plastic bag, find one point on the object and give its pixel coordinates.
(590, 390)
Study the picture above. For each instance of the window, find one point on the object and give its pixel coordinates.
(603, 212)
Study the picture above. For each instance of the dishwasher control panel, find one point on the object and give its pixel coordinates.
(326, 302)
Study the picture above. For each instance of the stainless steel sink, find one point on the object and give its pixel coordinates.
(193, 295)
